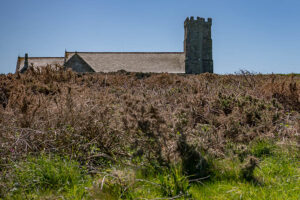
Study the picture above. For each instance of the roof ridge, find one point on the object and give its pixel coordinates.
(41, 57)
(133, 52)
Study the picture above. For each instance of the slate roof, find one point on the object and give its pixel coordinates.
(39, 62)
(157, 62)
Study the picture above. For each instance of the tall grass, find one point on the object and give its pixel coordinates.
(44, 176)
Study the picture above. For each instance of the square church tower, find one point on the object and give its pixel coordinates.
(198, 45)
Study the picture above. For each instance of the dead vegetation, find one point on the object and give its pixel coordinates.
(131, 117)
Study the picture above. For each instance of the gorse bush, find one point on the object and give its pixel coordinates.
(194, 165)
(97, 118)
(140, 120)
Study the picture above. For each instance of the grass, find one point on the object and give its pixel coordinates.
(262, 148)
(47, 176)
(277, 178)
(44, 177)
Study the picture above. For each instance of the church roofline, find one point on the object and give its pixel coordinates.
(138, 52)
(40, 57)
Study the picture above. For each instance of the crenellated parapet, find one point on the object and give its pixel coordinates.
(198, 20)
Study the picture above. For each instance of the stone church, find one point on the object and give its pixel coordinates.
(196, 58)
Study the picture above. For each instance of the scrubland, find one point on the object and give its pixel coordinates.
(149, 136)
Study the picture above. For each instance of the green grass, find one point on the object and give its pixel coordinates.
(148, 183)
(53, 177)
(262, 148)
(47, 176)
(277, 178)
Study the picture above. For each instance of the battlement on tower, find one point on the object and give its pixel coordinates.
(198, 20)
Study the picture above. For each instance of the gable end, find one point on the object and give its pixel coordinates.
(78, 64)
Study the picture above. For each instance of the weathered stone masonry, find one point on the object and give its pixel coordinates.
(198, 45)
(196, 58)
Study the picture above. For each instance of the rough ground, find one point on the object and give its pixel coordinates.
(137, 121)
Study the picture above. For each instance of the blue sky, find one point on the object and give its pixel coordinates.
(257, 35)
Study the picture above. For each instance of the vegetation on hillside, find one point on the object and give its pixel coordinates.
(146, 136)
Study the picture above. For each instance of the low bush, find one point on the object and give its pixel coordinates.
(211, 124)
(194, 165)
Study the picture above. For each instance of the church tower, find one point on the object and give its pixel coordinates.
(198, 45)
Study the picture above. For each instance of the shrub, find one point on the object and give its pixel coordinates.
(247, 171)
(194, 164)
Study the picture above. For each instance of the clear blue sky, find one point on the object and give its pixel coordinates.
(258, 35)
